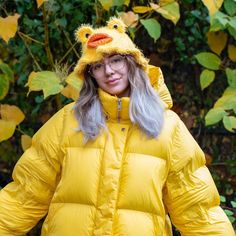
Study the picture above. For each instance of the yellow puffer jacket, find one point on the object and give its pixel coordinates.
(122, 184)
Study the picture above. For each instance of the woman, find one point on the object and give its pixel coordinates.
(130, 164)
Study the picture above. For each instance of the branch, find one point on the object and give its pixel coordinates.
(68, 51)
(71, 44)
(46, 42)
(228, 208)
(71, 48)
(28, 37)
(29, 50)
(4, 10)
(20, 130)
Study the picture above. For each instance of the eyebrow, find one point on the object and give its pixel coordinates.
(113, 55)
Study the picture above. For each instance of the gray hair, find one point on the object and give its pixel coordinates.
(146, 109)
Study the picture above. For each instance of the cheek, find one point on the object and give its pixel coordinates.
(125, 72)
(99, 82)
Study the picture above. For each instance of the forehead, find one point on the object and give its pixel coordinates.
(108, 56)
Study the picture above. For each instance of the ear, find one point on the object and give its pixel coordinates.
(117, 24)
(82, 33)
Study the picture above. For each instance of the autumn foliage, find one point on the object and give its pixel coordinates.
(194, 42)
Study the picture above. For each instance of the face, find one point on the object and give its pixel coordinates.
(111, 75)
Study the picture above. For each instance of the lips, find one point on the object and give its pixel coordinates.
(98, 39)
(112, 81)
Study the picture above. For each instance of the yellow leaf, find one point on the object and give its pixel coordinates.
(232, 52)
(217, 41)
(26, 141)
(7, 129)
(11, 113)
(212, 5)
(141, 9)
(106, 4)
(8, 27)
(40, 2)
(4, 86)
(169, 10)
(70, 92)
(29, 83)
(129, 18)
(126, 2)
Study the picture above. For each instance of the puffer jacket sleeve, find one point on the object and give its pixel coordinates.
(190, 195)
(25, 201)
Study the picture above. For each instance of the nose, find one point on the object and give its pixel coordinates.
(108, 69)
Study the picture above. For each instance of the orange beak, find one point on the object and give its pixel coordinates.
(98, 39)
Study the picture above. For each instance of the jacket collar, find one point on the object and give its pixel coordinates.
(115, 108)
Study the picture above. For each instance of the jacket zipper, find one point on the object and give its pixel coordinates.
(118, 109)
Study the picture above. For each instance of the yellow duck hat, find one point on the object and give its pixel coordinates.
(106, 40)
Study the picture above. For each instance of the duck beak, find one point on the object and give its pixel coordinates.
(98, 39)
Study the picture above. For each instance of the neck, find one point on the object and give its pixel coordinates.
(125, 93)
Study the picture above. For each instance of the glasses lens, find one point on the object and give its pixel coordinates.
(117, 62)
(97, 69)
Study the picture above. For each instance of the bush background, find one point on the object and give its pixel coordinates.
(52, 26)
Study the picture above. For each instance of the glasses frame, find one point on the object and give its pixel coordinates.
(90, 65)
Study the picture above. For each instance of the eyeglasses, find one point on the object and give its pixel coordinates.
(116, 63)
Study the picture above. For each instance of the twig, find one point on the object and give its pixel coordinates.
(71, 44)
(69, 50)
(96, 9)
(4, 10)
(228, 208)
(21, 131)
(29, 50)
(28, 37)
(46, 42)
(219, 164)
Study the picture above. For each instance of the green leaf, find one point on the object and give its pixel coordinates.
(206, 78)
(218, 21)
(233, 203)
(74, 81)
(118, 2)
(228, 212)
(232, 31)
(62, 22)
(208, 60)
(47, 81)
(222, 199)
(232, 26)
(231, 76)
(4, 86)
(230, 123)
(7, 71)
(214, 115)
(170, 11)
(231, 219)
(230, 7)
(153, 27)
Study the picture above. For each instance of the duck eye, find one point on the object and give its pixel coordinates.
(115, 26)
(87, 35)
